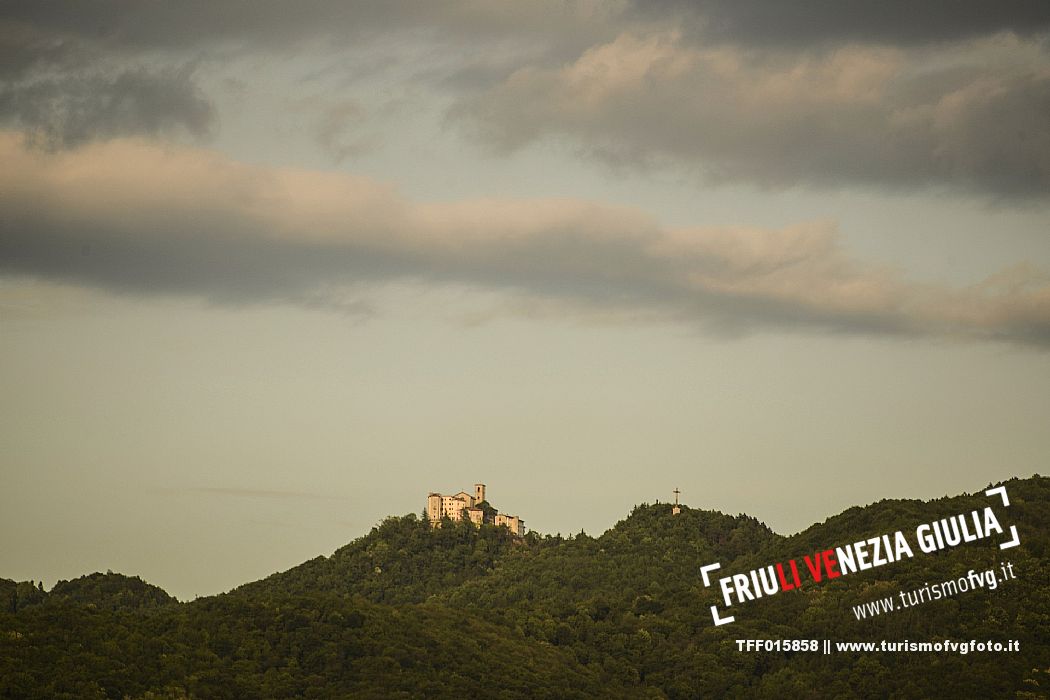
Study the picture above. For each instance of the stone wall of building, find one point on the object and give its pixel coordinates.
(463, 506)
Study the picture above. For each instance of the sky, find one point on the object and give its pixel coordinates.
(269, 275)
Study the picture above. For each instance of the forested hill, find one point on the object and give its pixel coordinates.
(408, 611)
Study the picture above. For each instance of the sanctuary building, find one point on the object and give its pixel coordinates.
(475, 508)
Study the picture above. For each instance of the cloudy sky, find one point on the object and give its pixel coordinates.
(268, 275)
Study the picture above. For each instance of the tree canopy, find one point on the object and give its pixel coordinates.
(411, 611)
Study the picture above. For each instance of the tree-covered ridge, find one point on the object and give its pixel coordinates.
(402, 560)
(111, 591)
(320, 646)
(413, 611)
(108, 591)
(631, 601)
(15, 595)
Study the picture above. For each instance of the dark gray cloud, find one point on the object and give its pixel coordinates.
(135, 25)
(71, 110)
(73, 71)
(144, 219)
(130, 25)
(971, 118)
(941, 95)
(65, 91)
(809, 22)
(25, 48)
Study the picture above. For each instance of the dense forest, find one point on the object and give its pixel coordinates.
(409, 611)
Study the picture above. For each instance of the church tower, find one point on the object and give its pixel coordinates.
(479, 493)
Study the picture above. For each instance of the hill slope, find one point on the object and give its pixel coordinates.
(408, 611)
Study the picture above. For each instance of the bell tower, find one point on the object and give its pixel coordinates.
(479, 493)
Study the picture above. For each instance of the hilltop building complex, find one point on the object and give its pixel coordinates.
(462, 506)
